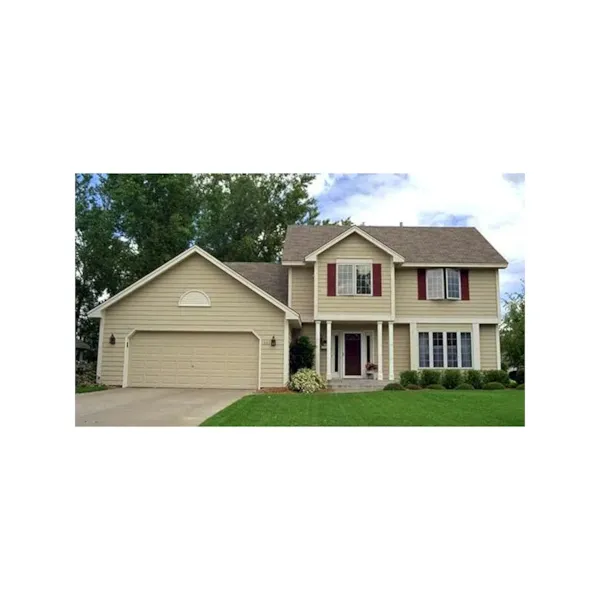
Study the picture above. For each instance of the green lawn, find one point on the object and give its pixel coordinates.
(82, 389)
(421, 407)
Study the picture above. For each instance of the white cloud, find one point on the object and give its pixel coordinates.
(321, 183)
(492, 204)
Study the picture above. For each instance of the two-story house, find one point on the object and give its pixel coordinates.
(400, 297)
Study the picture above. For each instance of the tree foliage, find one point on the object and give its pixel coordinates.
(512, 330)
(302, 354)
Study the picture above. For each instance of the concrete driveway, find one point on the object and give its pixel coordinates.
(150, 406)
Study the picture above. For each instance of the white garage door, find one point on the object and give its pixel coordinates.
(193, 360)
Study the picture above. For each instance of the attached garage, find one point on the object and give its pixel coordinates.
(193, 359)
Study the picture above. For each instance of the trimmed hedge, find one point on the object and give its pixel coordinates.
(493, 385)
(435, 386)
(512, 384)
(451, 378)
(428, 377)
(475, 378)
(464, 386)
(394, 386)
(413, 386)
(521, 386)
(408, 377)
(498, 376)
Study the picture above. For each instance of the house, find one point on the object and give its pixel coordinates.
(400, 297)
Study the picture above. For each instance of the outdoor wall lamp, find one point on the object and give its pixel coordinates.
(323, 344)
(112, 339)
(273, 341)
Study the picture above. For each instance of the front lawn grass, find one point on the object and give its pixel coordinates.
(82, 389)
(384, 408)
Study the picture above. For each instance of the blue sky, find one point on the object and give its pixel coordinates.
(492, 202)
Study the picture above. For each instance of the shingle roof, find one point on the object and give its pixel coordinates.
(434, 245)
(271, 277)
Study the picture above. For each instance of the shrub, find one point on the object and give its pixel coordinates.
(493, 376)
(409, 377)
(512, 383)
(464, 386)
(394, 386)
(429, 376)
(493, 385)
(412, 386)
(521, 386)
(451, 378)
(302, 354)
(307, 381)
(85, 373)
(475, 378)
(435, 386)
(520, 376)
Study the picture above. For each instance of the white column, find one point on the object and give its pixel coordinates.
(286, 351)
(329, 347)
(475, 347)
(380, 350)
(391, 350)
(498, 355)
(318, 348)
(414, 346)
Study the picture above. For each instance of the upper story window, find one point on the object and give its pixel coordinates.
(443, 284)
(354, 279)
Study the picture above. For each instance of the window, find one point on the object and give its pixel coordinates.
(354, 279)
(438, 349)
(441, 350)
(443, 284)
(423, 350)
(368, 348)
(452, 349)
(465, 349)
(435, 284)
(335, 356)
(452, 284)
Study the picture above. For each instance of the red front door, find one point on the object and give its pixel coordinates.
(352, 354)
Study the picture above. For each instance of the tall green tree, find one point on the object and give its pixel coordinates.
(243, 217)
(512, 330)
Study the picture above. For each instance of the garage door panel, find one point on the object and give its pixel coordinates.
(193, 359)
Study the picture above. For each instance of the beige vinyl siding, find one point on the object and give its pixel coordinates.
(190, 360)
(401, 344)
(302, 291)
(487, 342)
(482, 292)
(355, 247)
(154, 306)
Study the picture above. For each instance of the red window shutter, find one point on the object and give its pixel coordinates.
(331, 279)
(464, 284)
(421, 284)
(376, 279)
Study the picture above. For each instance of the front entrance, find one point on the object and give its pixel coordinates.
(352, 354)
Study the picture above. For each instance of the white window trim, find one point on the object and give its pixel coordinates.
(354, 264)
(448, 287)
(445, 350)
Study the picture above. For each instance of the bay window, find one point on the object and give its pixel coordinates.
(445, 350)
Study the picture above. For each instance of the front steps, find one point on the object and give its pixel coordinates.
(355, 385)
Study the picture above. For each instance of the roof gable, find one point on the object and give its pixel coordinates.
(96, 312)
(418, 245)
(312, 256)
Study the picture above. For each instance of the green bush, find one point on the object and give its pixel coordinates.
(302, 354)
(394, 386)
(512, 383)
(429, 376)
(409, 377)
(413, 386)
(521, 386)
(451, 378)
(493, 385)
(85, 373)
(307, 381)
(435, 386)
(520, 376)
(494, 376)
(475, 378)
(464, 386)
